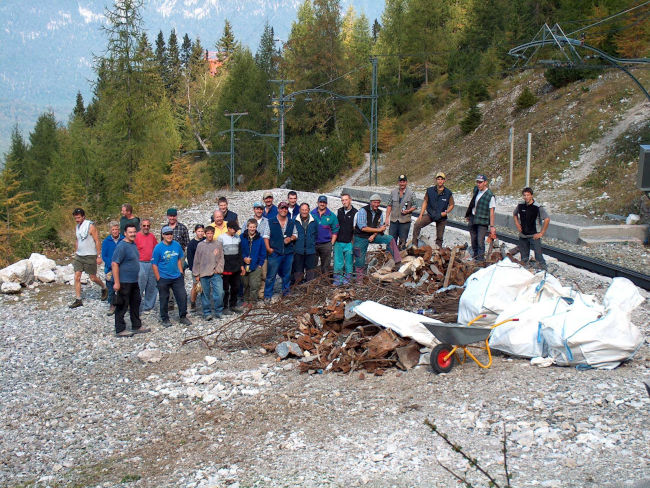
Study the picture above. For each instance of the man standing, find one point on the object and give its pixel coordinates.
(207, 268)
(180, 232)
(294, 208)
(304, 257)
(219, 223)
(233, 268)
(167, 263)
(328, 227)
(270, 210)
(343, 246)
(369, 229)
(87, 255)
(262, 229)
(279, 239)
(128, 218)
(228, 215)
(480, 215)
(146, 242)
(399, 209)
(199, 235)
(254, 254)
(526, 216)
(108, 248)
(126, 268)
(438, 202)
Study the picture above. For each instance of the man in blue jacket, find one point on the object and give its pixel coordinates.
(279, 239)
(304, 257)
(108, 248)
(437, 204)
(253, 252)
(328, 228)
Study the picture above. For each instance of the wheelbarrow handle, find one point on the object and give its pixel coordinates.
(478, 317)
(503, 322)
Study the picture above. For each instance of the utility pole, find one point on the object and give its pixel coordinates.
(234, 117)
(281, 106)
(512, 152)
(373, 120)
(528, 155)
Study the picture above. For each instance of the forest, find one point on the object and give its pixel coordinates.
(157, 128)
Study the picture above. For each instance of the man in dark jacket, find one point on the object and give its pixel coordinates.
(437, 204)
(233, 267)
(304, 257)
(199, 235)
(279, 239)
(228, 215)
(253, 252)
(526, 216)
(343, 256)
(480, 215)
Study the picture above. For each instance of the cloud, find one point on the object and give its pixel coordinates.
(64, 19)
(90, 16)
(166, 8)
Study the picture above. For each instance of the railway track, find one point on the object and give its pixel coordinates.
(594, 265)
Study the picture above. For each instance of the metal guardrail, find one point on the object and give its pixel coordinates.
(574, 259)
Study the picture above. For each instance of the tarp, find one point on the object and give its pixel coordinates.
(406, 324)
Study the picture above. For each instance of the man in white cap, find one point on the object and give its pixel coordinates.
(438, 202)
(270, 210)
(369, 228)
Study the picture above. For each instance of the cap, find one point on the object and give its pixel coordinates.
(375, 196)
(402, 178)
(322, 198)
(172, 211)
(167, 230)
(481, 178)
(283, 205)
(210, 227)
(258, 205)
(266, 195)
(232, 224)
(440, 174)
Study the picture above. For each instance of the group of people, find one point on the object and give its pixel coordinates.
(289, 240)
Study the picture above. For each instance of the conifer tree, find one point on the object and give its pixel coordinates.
(376, 28)
(79, 110)
(267, 56)
(186, 51)
(173, 64)
(227, 43)
(15, 158)
(161, 57)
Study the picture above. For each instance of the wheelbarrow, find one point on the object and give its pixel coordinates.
(458, 336)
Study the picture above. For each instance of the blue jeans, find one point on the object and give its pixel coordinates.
(279, 264)
(361, 248)
(178, 287)
(147, 284)
(477, 235)
(525, 243)
(212, 288)
(400, 231)
(111, 292)
(342, 260)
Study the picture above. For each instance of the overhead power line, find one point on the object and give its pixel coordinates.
(609, 18)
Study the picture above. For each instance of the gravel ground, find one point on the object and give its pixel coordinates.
(78, 408)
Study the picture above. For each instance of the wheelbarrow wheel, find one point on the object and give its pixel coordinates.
(438, 362)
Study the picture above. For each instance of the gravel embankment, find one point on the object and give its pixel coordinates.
(78, 408)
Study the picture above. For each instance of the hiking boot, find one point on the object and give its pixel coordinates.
(104, 294)
(165, 323)
(227, 311)
(185, 321)
(76, 303)
(141, 330)
(207, 318)
(193, 306)
(111, 310)
(124, 333)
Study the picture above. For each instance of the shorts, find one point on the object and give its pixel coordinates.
(85, 263)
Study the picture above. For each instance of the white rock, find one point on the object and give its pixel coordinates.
(64, 274)
(42, 262)
(210, 360)
(20, 272)
(45, 275)
(632, 219)
(150, 355)
(10, 288)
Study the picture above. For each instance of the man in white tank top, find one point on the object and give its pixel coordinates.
(87, 255)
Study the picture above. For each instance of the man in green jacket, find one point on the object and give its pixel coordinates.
(480, 215)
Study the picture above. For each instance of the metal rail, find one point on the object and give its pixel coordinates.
(574, 259)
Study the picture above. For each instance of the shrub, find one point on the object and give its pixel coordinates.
(526, 100)
(471, 120)
(561, 76)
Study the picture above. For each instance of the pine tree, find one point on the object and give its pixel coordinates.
(267, 56)
(471, 120)
(161, 58)
(79, 110)
(15, 158)
(173, 64)
(186, 51)
(40, 159)
(227, 44)
(392, 38)
(376, 28)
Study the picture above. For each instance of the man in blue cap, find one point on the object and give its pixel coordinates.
(328, 228)
(480, 215)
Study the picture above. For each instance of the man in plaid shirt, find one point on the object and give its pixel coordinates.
(181, 235)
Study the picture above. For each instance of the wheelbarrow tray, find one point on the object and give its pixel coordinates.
(457, 334)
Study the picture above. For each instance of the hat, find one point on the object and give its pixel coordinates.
(232, 224)
(210, 227)
(375, 196)
(172, 211)
(167, 230)
(322, 198)
(440, 174)
(266, 195)
(283, 205)
(258, 205)
(481, 178)
(402, 178)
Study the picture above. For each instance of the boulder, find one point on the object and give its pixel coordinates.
(41, 262)
(10, 288)
(64, 274)
(21, 272)
(45, 275)
(150, 355)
